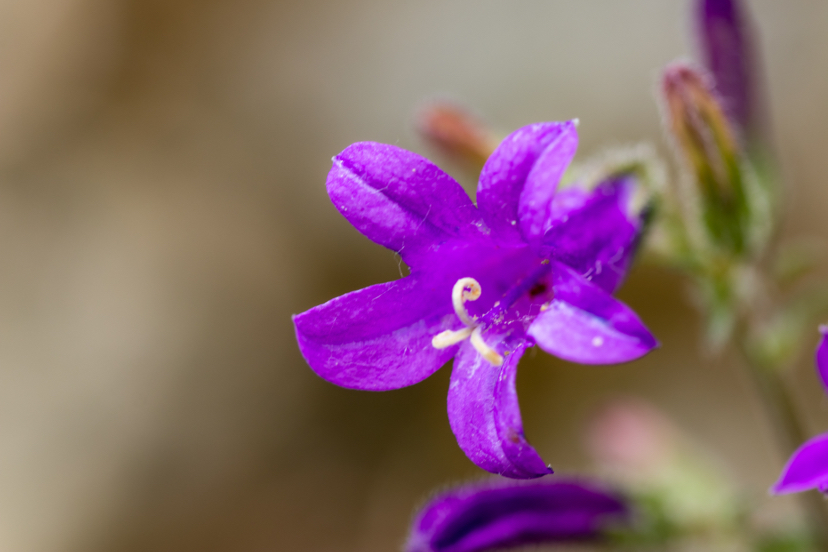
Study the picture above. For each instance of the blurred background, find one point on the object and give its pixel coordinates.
(163, 213)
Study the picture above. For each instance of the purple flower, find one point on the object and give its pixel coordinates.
(486, 516)
(526, 266)
(808, 466)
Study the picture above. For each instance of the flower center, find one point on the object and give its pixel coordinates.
(467, 289)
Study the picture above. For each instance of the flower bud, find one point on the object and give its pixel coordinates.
(707, 144)
(457, 133)
(728, 52)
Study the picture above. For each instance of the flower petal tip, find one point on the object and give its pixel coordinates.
(522, 174)
(806, 469)
(779, 489)
(783, 487)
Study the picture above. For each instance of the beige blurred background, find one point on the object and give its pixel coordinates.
(163, 212)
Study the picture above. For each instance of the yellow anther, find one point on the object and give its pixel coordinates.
(485, 351)
(465, 289)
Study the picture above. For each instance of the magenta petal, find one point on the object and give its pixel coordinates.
(378, 338)
(535, 204)
(506, 172)
(806, 469)
(400, 199)
(509, 423)
(484, 414)
(585, 324)
(486, 516)
(595, 233)
(822, 357)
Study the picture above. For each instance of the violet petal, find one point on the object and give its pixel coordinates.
(507, 169)
(484, 414)
(400, 199)
(585, 324)
(378, 338)
(595, 233)
(806, 469)
(486, 516)
(822, 357)
(535, 204)
(508, 421)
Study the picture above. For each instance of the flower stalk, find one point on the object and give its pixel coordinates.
(723, 218)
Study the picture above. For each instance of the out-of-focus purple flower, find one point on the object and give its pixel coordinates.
(822, 357)
(526, 266)
(808, 466)
(728, 51)
(479, 517)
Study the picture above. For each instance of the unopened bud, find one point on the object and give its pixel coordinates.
(728, 52)
(707, 143)
(457, 133)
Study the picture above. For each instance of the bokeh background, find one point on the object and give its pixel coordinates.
(163, 213)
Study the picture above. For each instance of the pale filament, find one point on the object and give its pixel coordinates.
(466, 289)
(485, 351)
(450, 337)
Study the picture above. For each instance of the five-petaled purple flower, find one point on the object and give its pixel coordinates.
(808, 466)
(526, 266)
(488, 516)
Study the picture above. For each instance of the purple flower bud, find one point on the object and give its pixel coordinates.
(728, 52)
(486, 516)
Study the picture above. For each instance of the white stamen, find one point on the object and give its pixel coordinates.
(597, 341)
(450, 337)
(466, 289)
(485, 351)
